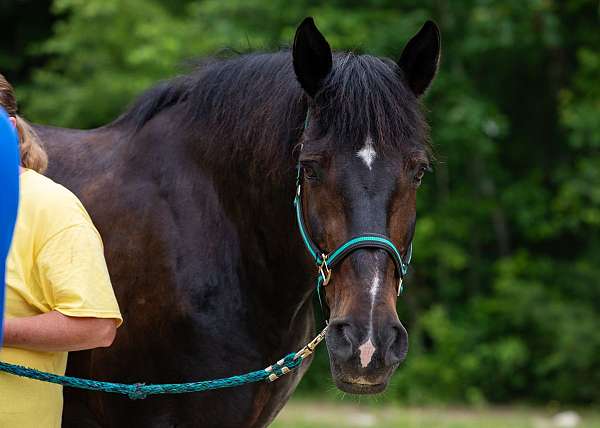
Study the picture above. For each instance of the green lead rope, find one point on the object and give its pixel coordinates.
(139, 391)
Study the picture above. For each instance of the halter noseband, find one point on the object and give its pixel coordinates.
(326, 262)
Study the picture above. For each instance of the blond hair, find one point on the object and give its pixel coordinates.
(33, 155)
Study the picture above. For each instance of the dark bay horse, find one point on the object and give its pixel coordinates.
(192, 192)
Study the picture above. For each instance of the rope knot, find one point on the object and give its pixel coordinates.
(137, 391)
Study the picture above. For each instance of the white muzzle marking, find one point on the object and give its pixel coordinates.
(366, 352)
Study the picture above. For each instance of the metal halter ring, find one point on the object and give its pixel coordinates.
(324, 270)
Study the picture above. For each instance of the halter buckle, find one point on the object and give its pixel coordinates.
(324, 270)
(400, 285)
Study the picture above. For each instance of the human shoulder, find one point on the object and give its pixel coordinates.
(50, 205)
(45, 192)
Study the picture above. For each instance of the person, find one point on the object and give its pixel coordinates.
(9, 196)
(59, 297)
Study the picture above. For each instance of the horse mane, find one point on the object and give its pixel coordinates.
(253, 101)
(153, 101)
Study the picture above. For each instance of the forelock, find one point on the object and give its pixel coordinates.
(363, 97)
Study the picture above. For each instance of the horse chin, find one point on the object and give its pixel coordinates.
(361, 383)
(360, 388)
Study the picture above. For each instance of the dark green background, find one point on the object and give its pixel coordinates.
(503, 301)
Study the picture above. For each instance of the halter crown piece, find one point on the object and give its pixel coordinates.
(326, 262)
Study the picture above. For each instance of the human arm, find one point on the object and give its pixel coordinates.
(55, 332)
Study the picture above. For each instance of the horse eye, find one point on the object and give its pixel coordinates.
(420, 173)
(309, 172)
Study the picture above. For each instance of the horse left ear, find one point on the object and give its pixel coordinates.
(312, 56)
(420, 58)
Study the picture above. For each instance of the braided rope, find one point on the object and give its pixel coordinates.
(138, 391)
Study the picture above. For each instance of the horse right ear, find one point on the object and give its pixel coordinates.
(312, 56)
(420, 58)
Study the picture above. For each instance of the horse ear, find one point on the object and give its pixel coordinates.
(312, 56)
(420, 58)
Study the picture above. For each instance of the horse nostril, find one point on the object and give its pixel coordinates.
(342, 329)
(341, 339)
(397, 345)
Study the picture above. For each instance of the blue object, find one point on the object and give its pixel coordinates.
(9, 196)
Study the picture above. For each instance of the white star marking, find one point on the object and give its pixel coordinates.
(367, 153)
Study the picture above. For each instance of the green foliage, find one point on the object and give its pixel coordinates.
(503, 299)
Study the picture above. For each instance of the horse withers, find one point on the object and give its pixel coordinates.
(192, 192)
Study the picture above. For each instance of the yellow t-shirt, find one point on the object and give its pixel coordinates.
(56, 262)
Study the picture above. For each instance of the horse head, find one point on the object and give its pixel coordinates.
(361, 160)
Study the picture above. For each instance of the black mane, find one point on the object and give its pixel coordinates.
(256, 99)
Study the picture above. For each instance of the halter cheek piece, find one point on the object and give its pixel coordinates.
(326, 262)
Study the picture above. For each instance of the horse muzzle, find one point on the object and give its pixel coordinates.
(362, 362)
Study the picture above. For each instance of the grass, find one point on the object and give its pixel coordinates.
(305, 414)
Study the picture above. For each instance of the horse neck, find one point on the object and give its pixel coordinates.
(246, 140)
(278, 270)
(243, 143)
(256, 196)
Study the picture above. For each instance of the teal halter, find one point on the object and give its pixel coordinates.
(326, 262)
